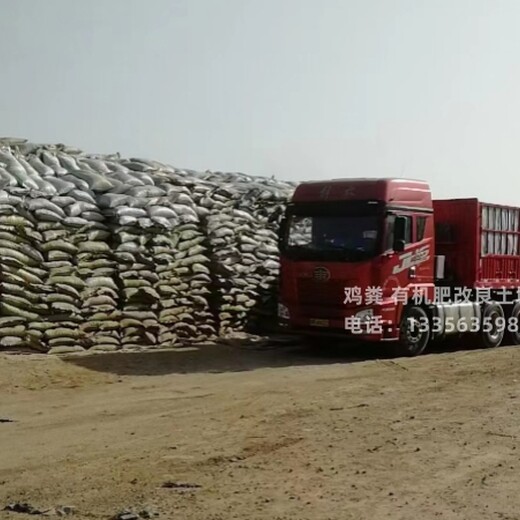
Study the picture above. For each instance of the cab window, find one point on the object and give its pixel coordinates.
(390, 220)
(420, 227)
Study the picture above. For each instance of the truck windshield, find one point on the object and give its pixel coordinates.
(352, 237)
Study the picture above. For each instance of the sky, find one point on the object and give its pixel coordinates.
(298, 89)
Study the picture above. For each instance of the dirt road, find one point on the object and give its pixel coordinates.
(276, 434)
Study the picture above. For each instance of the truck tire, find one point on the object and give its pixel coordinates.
(512, 336)
(415, 332)
(490, 335)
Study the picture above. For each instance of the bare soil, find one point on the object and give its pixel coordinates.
(226, 433)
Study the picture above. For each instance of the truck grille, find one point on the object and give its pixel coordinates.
(311, 292)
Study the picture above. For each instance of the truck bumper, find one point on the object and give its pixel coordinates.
(341, 335)
(377, 323)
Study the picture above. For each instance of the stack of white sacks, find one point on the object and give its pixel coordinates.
(98, 252)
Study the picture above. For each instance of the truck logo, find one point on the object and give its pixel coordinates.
(321, 274)
(411, 259)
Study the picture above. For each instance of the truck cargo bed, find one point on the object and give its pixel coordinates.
(480, 242)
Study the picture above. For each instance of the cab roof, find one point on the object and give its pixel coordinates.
(395, 191)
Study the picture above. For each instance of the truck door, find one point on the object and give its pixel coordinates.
(411, 264)
(395, 272)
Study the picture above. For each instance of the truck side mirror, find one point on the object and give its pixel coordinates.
(399, 234)
(399, 246)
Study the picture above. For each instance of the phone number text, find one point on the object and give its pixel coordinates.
(473, 324)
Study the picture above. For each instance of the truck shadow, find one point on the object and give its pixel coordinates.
(218, 358)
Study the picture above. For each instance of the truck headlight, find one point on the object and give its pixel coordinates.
(283, 311)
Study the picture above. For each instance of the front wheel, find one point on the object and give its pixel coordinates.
(414, 333)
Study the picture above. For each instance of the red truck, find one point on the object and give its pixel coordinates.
(379, 260)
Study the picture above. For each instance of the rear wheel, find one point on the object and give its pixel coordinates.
(415, 332)
(513, 329)
(492, 326)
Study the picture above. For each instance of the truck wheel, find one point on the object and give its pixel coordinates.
(415, 332)
(490, 334)
(513, 330)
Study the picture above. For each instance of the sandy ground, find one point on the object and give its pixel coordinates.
(273, 434)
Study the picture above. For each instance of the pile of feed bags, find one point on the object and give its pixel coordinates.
(103, 253)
